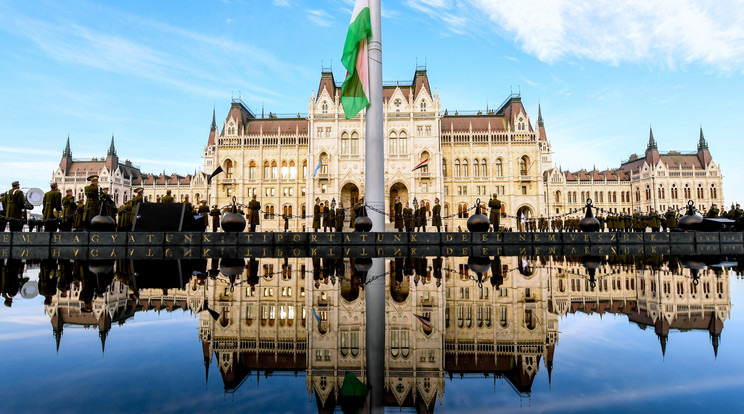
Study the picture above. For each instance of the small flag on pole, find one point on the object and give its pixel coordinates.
(316, 317)
(355, 89)
(320, 163)
(425, 320)
(422, 164)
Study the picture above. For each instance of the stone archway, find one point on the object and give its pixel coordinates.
(397, 189)
(524, 212)
(349, 195)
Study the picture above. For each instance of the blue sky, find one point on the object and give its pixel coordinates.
(150, 72)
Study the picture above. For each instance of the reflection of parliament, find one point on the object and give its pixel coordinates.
(499, 150)
(505, 328)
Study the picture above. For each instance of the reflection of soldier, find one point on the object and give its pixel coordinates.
(168, 198)
(92, 201)
(316, 214)
(436, 215)
(68, 211)
(215, 213)
(52, 203)
(340, 213)
(253, 217)
(15, 207)
(398, 214)
(495, 217)
(10, 280)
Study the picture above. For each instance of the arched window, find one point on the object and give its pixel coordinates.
(252, 170)
(622, 196)
(354, 143)
(304, 168)
(228, 169)
(484, 169)
(675, 194)
(423, 106)
(344, 143)
(465, 167)
(402, 142)
(462, 210)
(323, 163)
(638, 194)
(292, 170)
(274, 172)
(700, 193)
(287, 210)
(324, 107)
(444, 167)
(476, 168)
(523, 163)
(713, 192)
(687, 192)
(499, 168)
(267, 170)
(269, 212)
(392, 142)
(457, 167)
(285, 170)
(424, 156)
(661, 192)
(557, 196)
(648, 192)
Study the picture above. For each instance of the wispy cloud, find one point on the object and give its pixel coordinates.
(319, 17)
(666, 32)
(452, 15)
(280, 3)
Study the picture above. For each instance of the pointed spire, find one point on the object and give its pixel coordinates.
(58, 337)
(702, 143)
(214, 122)
(540, 122)
(651, 140)
(67, 152)
(112, 148)
(663, 341)
(103, 335)
(715, 339)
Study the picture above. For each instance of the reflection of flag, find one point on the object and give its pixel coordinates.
(317, 168)
(316, 317)
(422, 164)
(355, 89)
(424, 319)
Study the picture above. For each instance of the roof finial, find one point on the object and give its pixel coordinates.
(214, 122)
(112, 148)
(651, 140)
(67, 152)
(539, 115)
(702, 143)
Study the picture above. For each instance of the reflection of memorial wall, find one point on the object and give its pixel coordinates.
(650, 293)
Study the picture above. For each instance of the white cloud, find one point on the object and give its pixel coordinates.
(319, 17)
(666, 32)
(280, 3)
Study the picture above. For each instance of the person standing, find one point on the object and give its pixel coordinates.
(3, 221)
(204, 212)
(495, 217)
(92, 201)
(408, 217)
(52, 203)
(68, 211)
(316, 214)
(168, 198)
(398, 214)
(340, 215)
(285, 217)
(332, 215)
(15, 207)
(189, 207)
(253, 216)
(422, 217)
(138, 199)
(108, 204)
(713, 212)
(415, 219)
(354, 214)
(436, 215)
(326, 221)
(215, 213)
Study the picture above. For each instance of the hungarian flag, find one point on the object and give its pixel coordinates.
(422, 164)
(355, 89)
(425, 320)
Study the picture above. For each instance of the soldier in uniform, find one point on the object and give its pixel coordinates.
(189, 208)
(254, 219)
(671, 219)
(138, 199)
(68, 211)
(713, 212)
(285, 217)
(340, 215)
(108, 204)
(168, 198)
(331, 215)
(215, 213)
(92, 201)
(124, 221)
(52, 203)
(495, 217)
(654, 221)
(316, 215)
(326, 217)
(415, 219)
(3, 221)
(422, 217)
(398, 214)
(436, 215)
(204, 212)
(738, 212)
(15, 207)
(79, 214)
(408, 217)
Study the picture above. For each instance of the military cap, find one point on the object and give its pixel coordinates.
(139, 190)
(15, 184)
(93, 177)
(53, 185)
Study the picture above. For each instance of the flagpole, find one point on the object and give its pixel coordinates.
(375, 197)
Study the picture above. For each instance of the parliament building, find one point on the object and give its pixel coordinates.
(288, 161)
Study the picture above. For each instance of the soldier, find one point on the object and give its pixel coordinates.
(3, 221)
(316, 215)
(340, 214)
(215, 213)
(654, 221)
(671, 219)
(204, 212)
(285, 217)
(713, 212)
(398, 214)
(415, 219)
(495, 218)
(52, 203)
(15, 207)
(138, 199)
(436, 215)
(92, 201)
(254, 219)
(68, 211)
(108, 204)
(189, 208)
(79, 214)
(738, 213)
(422, 217)
(330, 214)
(123, 221)
(168, 198)
(408, 217)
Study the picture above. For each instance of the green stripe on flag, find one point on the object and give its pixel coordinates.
(353, 97)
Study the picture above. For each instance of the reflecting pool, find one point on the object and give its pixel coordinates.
(504, 333)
